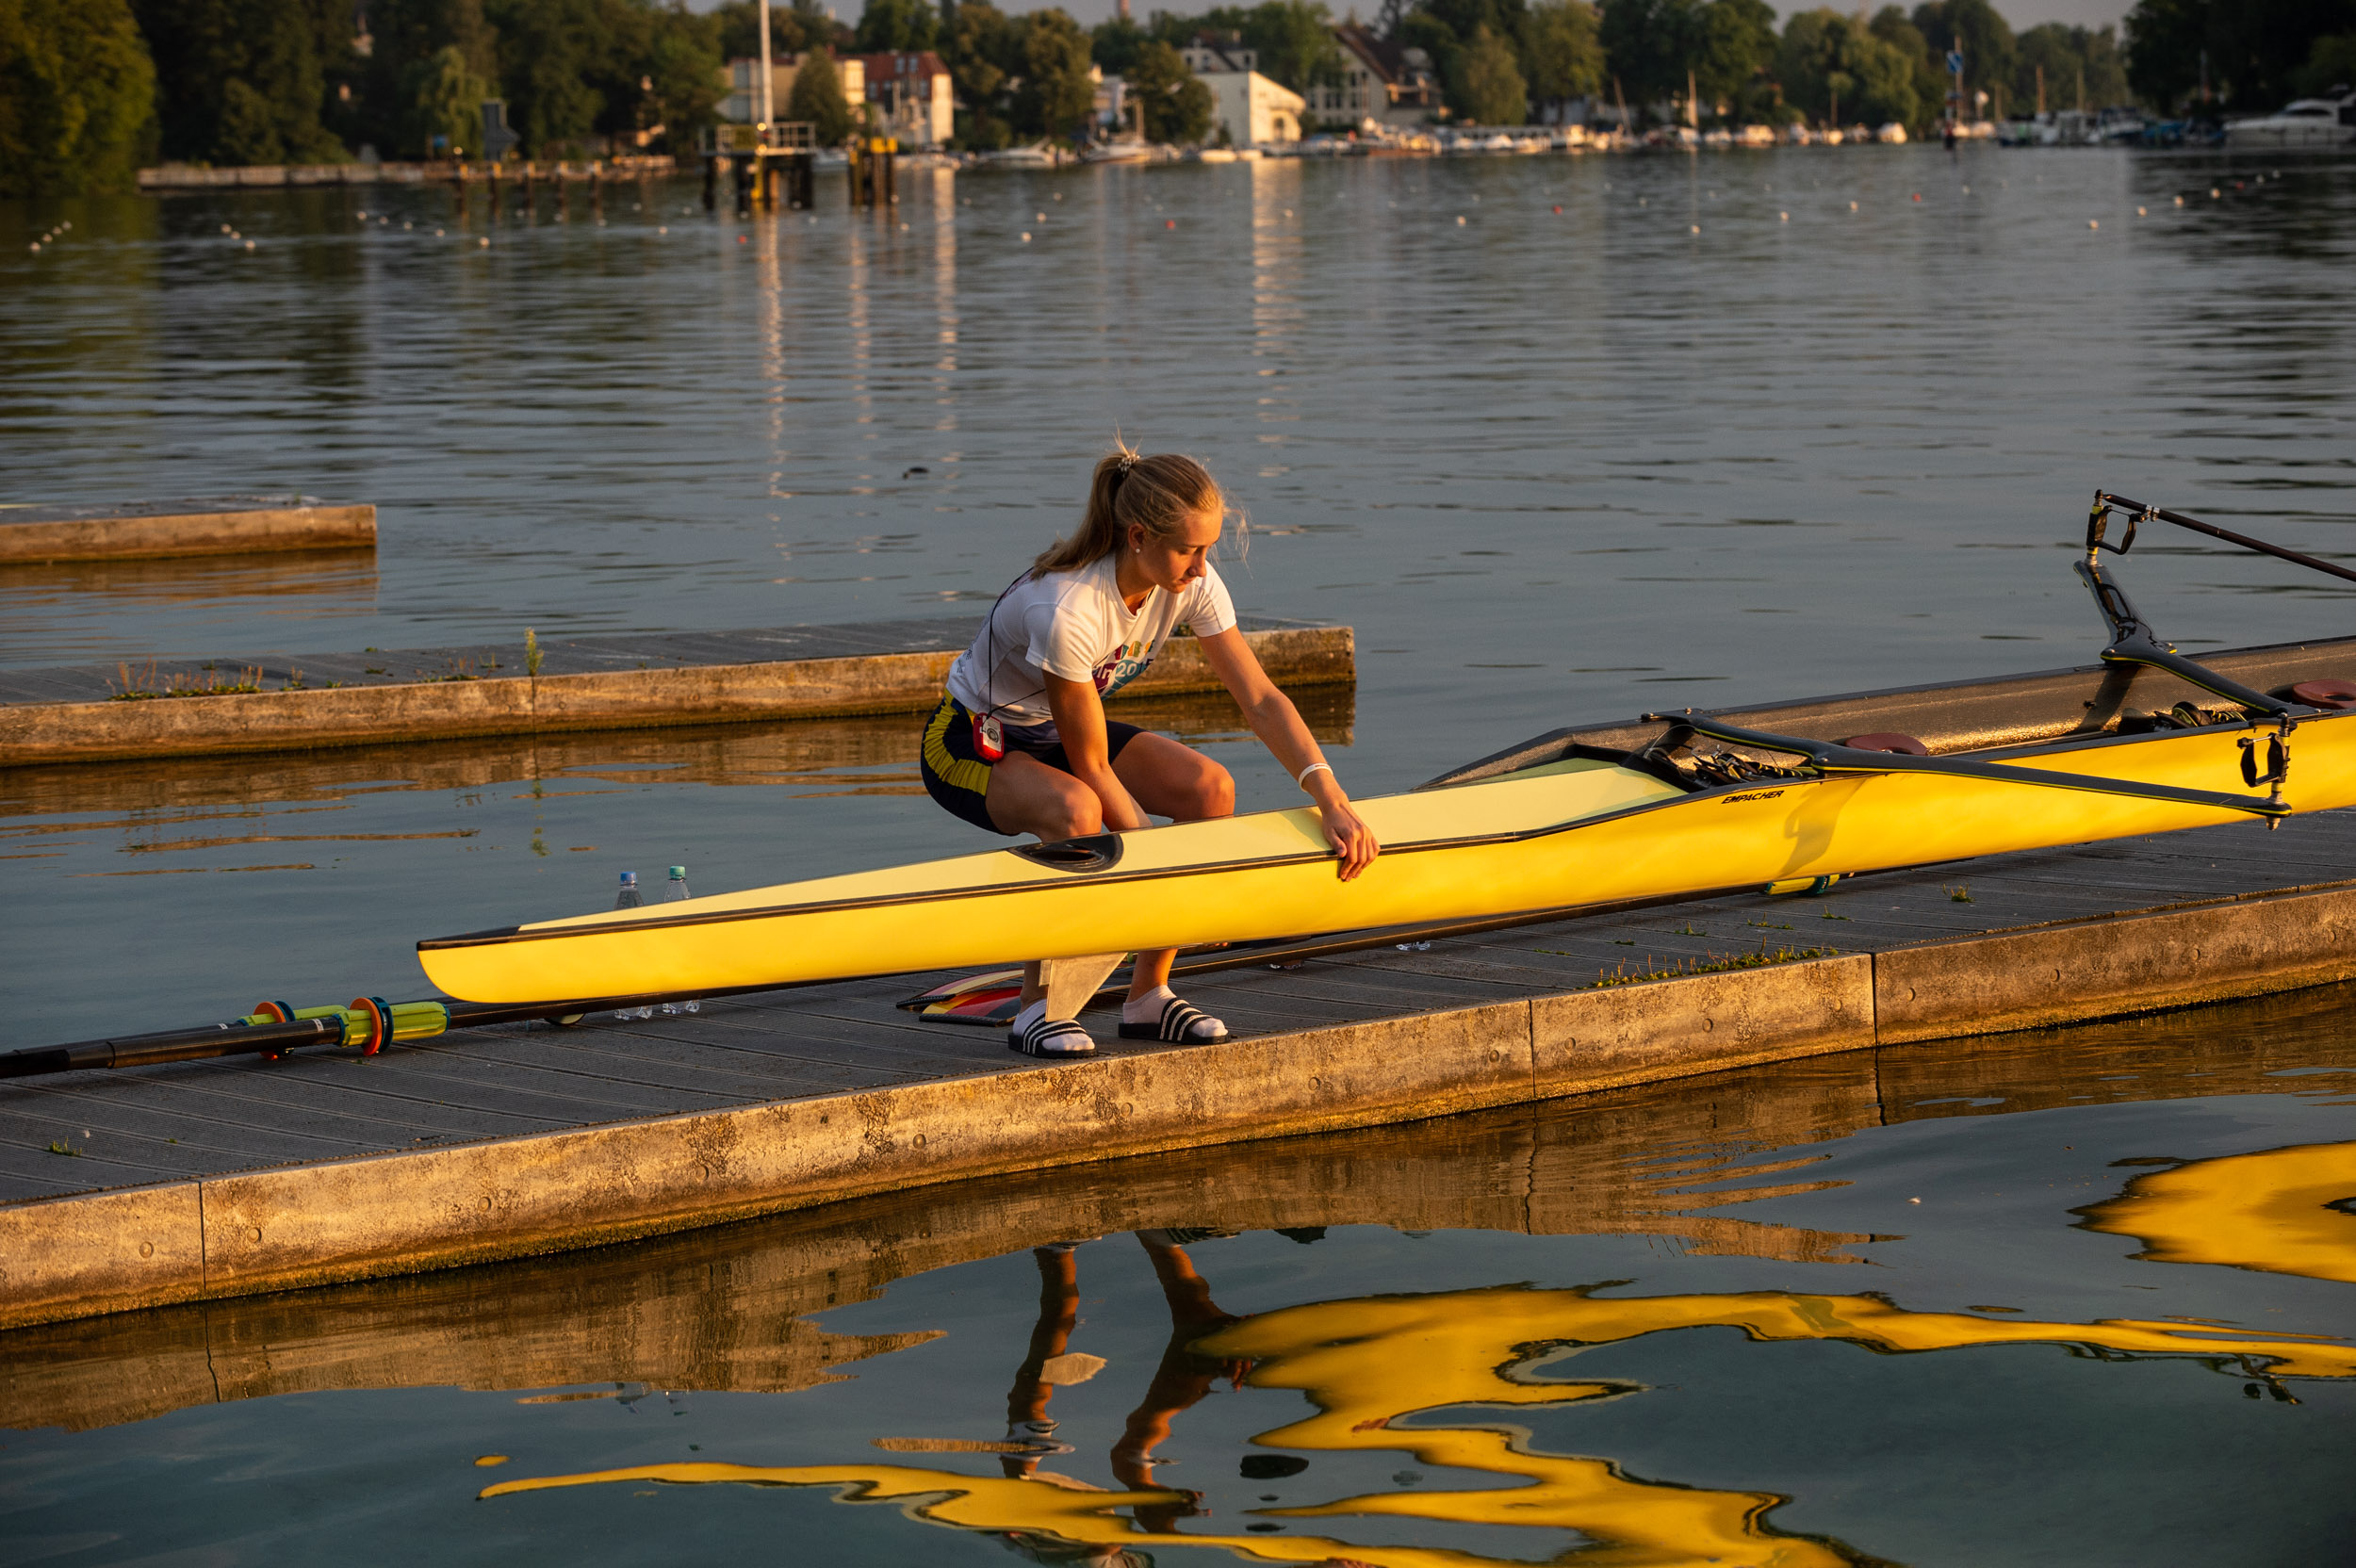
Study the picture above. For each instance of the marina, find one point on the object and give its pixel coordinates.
(1985, 1204)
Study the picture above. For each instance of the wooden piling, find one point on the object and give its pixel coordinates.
(872, 171)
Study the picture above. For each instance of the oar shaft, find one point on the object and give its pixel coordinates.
(171, 1045)
(2230, 536)
(408, 1020)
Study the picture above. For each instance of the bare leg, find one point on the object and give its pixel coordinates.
(1178, 782)
(1028, 796)
(1179, 1382)
(1058, 1311)
(1164, 778)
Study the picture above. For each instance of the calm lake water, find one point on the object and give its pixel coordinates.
(1719, 429)
(1563, 439)
(2077, 1297)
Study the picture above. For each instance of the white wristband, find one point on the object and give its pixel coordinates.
(1303, 778)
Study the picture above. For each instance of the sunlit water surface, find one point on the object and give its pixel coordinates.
(1563, 438)
(2073, 1297)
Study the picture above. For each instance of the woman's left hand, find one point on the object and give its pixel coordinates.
(1348, 832)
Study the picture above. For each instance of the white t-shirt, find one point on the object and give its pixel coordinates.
(1074, 624)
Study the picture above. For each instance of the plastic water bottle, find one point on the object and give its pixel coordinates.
(628, 899)
(675, 892)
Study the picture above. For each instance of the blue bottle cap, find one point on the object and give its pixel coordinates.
(630, 877)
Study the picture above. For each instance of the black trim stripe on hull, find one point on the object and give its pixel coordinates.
(501, 935)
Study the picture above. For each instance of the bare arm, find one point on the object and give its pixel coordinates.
(1080, 719)
(1277, 723)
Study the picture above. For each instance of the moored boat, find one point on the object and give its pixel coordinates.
(2304, 123)
(1037, 155)
(1119, 149)
(1666, 806)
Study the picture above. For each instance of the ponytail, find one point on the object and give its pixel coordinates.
(1162, 493)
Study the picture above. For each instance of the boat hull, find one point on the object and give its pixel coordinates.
(1565, 833)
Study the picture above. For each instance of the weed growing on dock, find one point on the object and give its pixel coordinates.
(531, 653)
(1689, 929)
(456, 669)
(1767, 925)
(1829, 915)
(63, 1148)
(1623, 976)
(143, 688)
(1958, 893)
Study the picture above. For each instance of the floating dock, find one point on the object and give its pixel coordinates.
(147, 530)
(205, 1180)
(276, 702)
(731, 1309)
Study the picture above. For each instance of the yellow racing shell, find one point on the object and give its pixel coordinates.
(1581, 830)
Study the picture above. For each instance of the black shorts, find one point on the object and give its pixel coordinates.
(958, 778)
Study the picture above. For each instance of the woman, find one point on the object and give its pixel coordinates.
(1020, 744)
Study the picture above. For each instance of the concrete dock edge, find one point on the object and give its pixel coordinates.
(293, 1226)
(49, 733)
(2143, 961)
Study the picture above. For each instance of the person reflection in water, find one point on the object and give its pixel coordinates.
(1179, 1382)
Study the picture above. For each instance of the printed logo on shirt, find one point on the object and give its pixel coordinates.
(1122, 666)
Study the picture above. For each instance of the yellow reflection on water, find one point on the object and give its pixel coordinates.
(1370, 1365)
(2282, 1211)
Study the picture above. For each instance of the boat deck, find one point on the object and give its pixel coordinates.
(88, 1131)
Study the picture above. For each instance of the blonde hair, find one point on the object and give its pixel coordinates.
(1162, 494)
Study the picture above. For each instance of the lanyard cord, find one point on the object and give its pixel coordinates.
(990, 671)
(989, 642)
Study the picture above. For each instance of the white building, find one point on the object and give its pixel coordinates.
(1251, 109)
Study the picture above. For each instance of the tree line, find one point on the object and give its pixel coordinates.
(91, 89)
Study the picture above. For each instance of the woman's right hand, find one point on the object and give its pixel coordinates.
(1345, 829)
